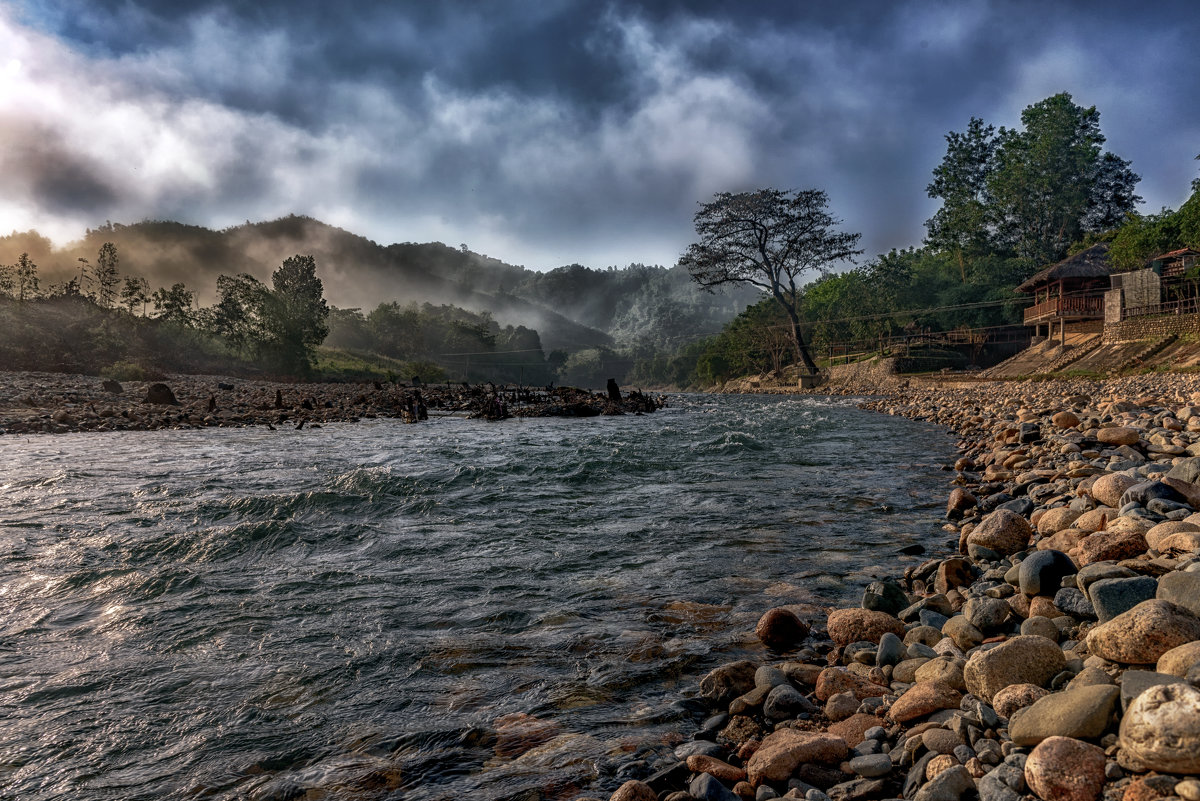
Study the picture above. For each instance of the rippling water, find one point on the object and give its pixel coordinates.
(233, 613)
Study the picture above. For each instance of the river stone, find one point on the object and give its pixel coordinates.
(947, 670)
(1041, 627)
(871, 766)
(1042, 572)
(779, 629)
(1055, 520)
(706, 787)
(1161, 729)
(941, 741)
(785, 702)
(1144, 633)
(1186, 470)
(854, 728)
(1020, 660)
(1100, 570)
(634, 791)
(770, 677)
(1065, 769)
(1104, 546)
(964, 634)
(906, 671)
(1162, 530)
(1144, 492)
(1108, 489)
(884, 596)
(160, 394)
(841, 706)
(1016, 696)
(1115, 596)
(1096, 519)
(986, 614)
(1181, 588)
(959, 502)
(1182, 542)
(1082, 713)
(1119, 435)
(951, 573)
(1071, 601)
(783, 751)
(728, 681)
(949, 785)
(835, 680)
(1177, 660)
(1065, 419)
(891, 650)
(1002, 531)
(861, 625)
(1136, 682)
(924, 698)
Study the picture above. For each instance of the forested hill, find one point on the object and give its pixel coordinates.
(571, 307)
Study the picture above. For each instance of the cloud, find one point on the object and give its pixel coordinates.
(553, 132)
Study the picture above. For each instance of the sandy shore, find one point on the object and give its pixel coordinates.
(1055, 655)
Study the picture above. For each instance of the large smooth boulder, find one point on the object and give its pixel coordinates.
(1144, 633)
(1065, 769)
(1179, 659)
(1026, 659)
(1002, 531)
(1108, 489)
(1119, 435)
(923, 699)
(1109, 546)
(1055, 520)
(1115, 596)
(1166, 529)
(861, 625)
(1182, 589)
(783, 751)
(834, 680)
(1042, 572)
(728, 681)
(779, 629)
(1161, 729)
(1082, 712)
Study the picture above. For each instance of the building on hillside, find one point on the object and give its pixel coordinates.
(1169, 284)
(1071, 292)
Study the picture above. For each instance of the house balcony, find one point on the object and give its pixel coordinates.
(1081, 308)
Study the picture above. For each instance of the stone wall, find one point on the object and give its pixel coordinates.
(1139, 328)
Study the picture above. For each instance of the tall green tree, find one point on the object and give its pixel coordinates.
(8, 280)
(135, 293)
(238, 315)
(296, 312)
(964, 224)
(769, 239)
(1052, 182)
(174, 305)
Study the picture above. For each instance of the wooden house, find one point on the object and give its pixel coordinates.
(1069, 292)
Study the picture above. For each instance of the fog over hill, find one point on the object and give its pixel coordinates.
(571, 307)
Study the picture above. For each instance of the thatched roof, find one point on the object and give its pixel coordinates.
(1090, 263)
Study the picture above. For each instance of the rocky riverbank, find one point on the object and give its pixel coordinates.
(60, 403)
(1054, 654)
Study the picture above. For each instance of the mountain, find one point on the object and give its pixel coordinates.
(572, 307)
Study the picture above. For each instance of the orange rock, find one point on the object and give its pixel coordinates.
(783, 751)
(854, 728)
(1065, 769)
(834, 680)
(861, 625)
(634, 791)
(924, 698)
(700, 763)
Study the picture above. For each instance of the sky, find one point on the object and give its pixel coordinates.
(550, 132)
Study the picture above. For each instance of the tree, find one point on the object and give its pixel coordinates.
(239, 313)
(1052, 183)
(106, 275)
(769, 239)
(963, 225)
(174, 305)
(26, 278)
(296, 314)
(136, 292)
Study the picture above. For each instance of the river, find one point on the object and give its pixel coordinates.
(243, 613)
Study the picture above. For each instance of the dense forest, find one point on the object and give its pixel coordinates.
(1013, 202)
(160, 296)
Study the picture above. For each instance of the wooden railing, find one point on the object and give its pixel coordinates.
(1185, 306)
(1085, 306)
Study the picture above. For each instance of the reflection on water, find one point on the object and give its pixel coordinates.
(458, 609)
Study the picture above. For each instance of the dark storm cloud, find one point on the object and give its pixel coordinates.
(552, 132)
